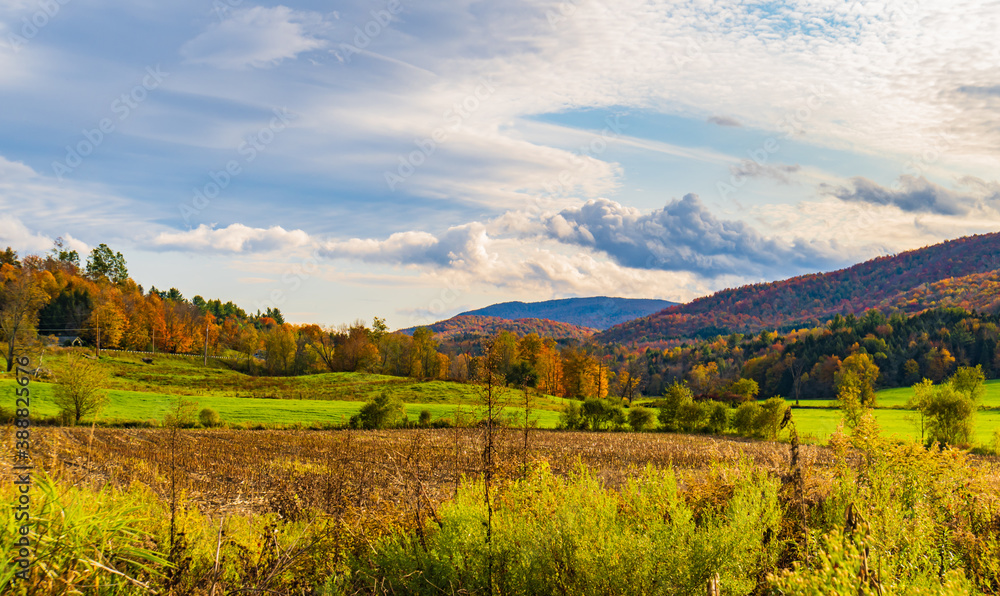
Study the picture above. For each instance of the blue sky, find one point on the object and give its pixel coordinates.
(413, 160)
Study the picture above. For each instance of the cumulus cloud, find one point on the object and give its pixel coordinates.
(911, 193)
(460, 246)
(256, 37)
(235, 238)
(684, 236)
(15, 234)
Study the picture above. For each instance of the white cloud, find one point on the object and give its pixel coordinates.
(675, 251)
(235, 238)
(256, 37)
(685, 236)
(15, 171)
(15, 234)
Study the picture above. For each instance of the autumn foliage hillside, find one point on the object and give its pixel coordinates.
(958, 273)
(598, 312)
(471, 325)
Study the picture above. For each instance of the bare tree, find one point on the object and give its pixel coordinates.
(492, 389)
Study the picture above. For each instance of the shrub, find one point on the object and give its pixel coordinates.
(745, 417)
(600, 413)
(382, 411)
(209, 418)
(571, 417)
(80, 392)
(690, 416)
(554, 535)
(641, 419)
(744, 390)
(769, 418)
(674, 397)
(905, 502)
(838, 567)
(425, 418)
(950, 416)
(718, 417)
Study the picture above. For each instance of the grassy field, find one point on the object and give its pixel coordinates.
(144, 392)
(899, 396)
(818, 419)
(819, 424)
(139, 391)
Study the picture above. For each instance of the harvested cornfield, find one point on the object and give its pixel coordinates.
(284, 471)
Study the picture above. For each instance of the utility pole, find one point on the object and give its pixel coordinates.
(98, 316)
(154, 339)
(206, 340)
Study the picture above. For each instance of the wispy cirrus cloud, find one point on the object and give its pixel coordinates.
(256, 37)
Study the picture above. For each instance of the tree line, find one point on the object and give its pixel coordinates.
(55, 295)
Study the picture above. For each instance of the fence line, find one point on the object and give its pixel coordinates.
(173, 354)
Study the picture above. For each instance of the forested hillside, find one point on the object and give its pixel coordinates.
(952, 273)
(598, 312)
(467, 326)
(805, 363)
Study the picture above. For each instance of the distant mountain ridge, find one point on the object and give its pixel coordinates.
(598, 312)
(953, 273)
(465, 326)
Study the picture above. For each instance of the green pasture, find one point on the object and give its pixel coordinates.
(816, 425)
(818, 419)
(178, 375)
(899, 396)
(141, 405)
(140, 391)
